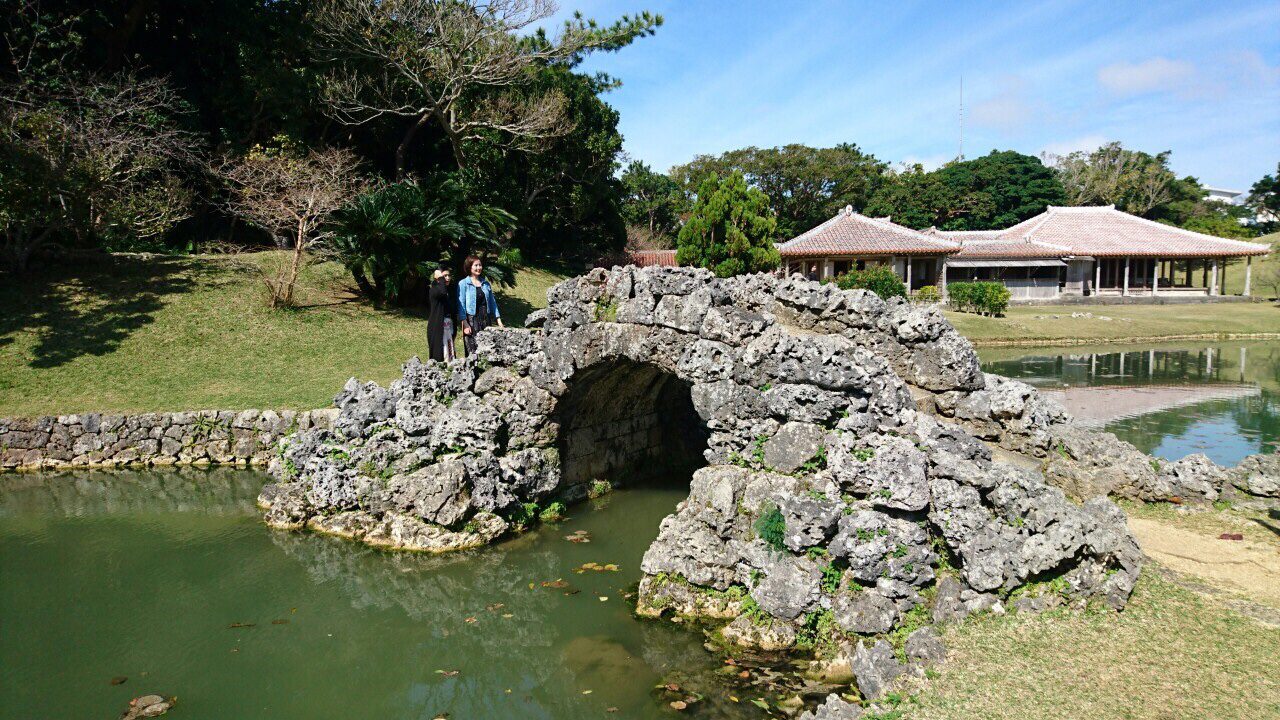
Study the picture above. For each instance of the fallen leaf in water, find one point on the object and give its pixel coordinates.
(118, 680)
(604, 598)
(730, 661)
(494, 606)
(235, 625)
(558, 583)
(744, 674)
(469, 620)
(572, 592)
(679, 704)
(733, 698)
(586, 692)
(507, 615)
(760, 704)
(580, 536)
(280, 622)
(611, 709)
(448, 673)
(235, 649)
(1231, 536)
(672, 687)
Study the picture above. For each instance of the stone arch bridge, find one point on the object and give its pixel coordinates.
(852, 454)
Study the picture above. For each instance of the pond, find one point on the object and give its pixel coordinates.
(169, 580)
(1220, 399)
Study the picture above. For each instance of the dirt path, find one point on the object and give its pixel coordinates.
(1246, 567)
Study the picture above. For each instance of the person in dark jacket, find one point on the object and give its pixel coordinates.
(477, 308)
(442, 306)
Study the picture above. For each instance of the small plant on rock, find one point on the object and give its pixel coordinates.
(553, 512)
(598, 488)
(771, 527)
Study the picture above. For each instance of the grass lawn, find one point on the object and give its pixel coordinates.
(1036, 325)
(1172, 653)
(128, 334)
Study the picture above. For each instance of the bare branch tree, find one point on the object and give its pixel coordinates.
(1132, 181)
(458, 64)
(291, 194)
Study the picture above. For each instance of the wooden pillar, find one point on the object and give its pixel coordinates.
(1097, 275)
(942, 278)
(1125, 288)
(1213, 281)
(1248, 277)
(1155, 277)
(1188, 272)
(1204, 273)
(907, 261)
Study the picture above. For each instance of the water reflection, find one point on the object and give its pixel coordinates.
(1170, 401)
(143, 574)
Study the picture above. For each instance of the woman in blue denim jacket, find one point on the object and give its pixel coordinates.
(477, 307)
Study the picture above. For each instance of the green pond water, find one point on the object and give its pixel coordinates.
(1220, 399)
(143, 574)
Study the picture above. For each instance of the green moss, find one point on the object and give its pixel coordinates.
(914, 619)
(819, 631)
(606, 309)
(863, 454)
(599, 487)
(815, 463)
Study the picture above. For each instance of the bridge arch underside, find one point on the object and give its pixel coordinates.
(626, 422)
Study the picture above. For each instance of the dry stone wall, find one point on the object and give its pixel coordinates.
(206, 437)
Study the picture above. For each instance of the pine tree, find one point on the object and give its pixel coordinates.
(731, 229)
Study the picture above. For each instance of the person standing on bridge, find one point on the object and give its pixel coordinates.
(441, 302)
(477, 307)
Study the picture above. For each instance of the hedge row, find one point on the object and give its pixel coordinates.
(879, 280)
(986, 298)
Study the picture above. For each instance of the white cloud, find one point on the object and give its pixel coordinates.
(1009, 110)
(1154, 75)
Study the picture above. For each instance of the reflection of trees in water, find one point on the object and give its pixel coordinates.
(1256, 362)
(540, 656)
(100, 493)
(1259, 417)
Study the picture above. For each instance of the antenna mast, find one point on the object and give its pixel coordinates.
(961, 117)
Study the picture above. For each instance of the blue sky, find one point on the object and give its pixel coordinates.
(1199, 78)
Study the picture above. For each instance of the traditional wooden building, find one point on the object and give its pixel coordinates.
(1099, 251)
(1064, 251)
(850, 241)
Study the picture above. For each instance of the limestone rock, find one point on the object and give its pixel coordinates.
(875, 668)
(925, 646)
(834, 708)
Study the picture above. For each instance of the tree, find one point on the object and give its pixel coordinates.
(460, 65)
(290, 193)
(651, 200)
(1002, 189)
(918, 199)
(391, 238)
(805, 185)
(1133, 181)
(1264, 200)
(730, 230)
(94, 162)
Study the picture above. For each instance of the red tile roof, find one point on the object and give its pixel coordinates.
(660, 258)
(989, 244)
(1106, 232)
(849, 233)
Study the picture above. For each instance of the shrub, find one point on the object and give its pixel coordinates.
(553, 512)
(882, 281)
(928, 294)
(986, 298)
(730, 230)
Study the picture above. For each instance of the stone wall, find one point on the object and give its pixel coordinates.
(205, 437)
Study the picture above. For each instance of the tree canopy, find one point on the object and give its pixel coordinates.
(995, 191)
(804, 185)
(411, 87)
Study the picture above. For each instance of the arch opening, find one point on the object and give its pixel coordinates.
(627, 422)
